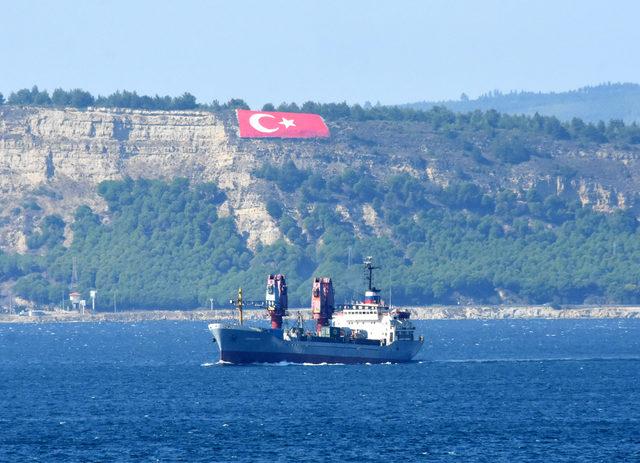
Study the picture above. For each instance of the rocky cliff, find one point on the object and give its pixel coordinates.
(52, 159)
(57, 157)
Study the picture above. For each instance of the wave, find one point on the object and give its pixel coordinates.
(323, 364)
(213, 364)
(270, 364)
(289, 364)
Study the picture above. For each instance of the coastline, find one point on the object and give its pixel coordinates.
(476, 312)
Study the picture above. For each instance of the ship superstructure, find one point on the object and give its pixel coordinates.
(372, 317)
(367, 331)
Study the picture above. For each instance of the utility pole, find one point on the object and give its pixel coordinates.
(115, 307)
(390, 286)
(74, 274)
(92, 293)
(211, 303)
(351, 288)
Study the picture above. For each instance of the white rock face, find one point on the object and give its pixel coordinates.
(71, 151)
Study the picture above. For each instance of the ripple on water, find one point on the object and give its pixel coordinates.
(533, 391)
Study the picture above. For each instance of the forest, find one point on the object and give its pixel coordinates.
(164, 246)
(161, 244)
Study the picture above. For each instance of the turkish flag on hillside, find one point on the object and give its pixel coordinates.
(266, 124)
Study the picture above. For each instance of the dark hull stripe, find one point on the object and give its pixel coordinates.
(239, 357)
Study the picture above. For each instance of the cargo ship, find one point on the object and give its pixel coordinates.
(368, 331)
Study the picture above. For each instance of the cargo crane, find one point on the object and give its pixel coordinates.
(322, 304)
(276, 299)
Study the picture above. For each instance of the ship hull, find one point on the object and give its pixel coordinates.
(241, 345)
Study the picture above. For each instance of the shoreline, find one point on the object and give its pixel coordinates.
(478, 312)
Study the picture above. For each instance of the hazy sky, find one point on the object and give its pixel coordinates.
(273, 51)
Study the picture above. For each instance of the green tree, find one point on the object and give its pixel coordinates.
(511, 149)
(60, 98)
(21, 97)
(80, 99)
(274, 208)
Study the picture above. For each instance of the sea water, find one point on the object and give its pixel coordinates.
(479, 391)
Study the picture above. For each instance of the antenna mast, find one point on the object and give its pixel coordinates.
(74, 274)
(368, 269)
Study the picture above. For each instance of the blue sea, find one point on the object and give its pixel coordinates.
(480, 391)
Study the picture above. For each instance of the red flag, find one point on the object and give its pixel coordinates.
(265, 124)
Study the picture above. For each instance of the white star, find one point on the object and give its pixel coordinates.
(287, 123)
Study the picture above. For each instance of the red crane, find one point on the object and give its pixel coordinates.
(322, 303)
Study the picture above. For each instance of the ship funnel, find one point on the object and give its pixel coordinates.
(371, 297)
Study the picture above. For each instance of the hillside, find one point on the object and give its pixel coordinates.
(598, 103)
(168, 209)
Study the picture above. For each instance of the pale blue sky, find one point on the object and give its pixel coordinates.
(330, 50)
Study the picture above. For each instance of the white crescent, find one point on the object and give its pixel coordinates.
(254, 120)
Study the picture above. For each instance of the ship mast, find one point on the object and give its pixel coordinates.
(240, 305)
(369, 268)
